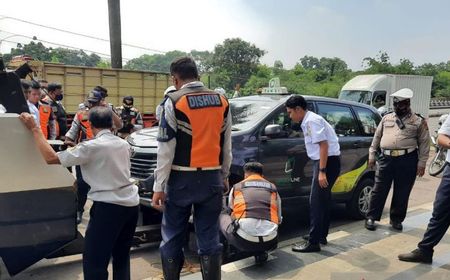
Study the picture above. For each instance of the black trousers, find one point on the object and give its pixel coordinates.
(440, 219)
(109, 234)
(241, 244)
(402, 170)
(82, 189)
(320, 200)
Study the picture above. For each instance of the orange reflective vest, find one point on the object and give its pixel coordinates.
(45, 112)
(256, 198)
(200, 115)
(86, 130)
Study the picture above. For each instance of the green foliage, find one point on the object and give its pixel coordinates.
(154, 62)
(234, 61)
(60, 55)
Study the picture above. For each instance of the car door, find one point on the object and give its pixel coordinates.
(37, 200)
(368, 121)
(284, 157)
(341, 117)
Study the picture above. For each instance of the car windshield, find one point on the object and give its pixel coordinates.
(356, 95)
(247, 112)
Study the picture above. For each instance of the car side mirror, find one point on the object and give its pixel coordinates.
(273, 131)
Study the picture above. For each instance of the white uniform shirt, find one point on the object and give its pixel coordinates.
(445, 129)
(316, 129)
(105, 164)
(34, 112)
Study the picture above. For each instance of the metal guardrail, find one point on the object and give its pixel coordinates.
(437, 103)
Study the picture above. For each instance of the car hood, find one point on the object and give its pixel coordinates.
(144, 138)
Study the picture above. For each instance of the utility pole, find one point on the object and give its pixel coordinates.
(115, 34)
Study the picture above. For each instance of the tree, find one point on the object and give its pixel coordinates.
(309, 62)
(154, 62)
(62, 55)
(379, 65)
(203, 59)
(236, 59)
(405, 67)
(36, 50)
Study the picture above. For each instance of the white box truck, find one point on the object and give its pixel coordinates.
(376, 89)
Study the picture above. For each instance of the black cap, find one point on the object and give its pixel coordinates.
(101, 89)
(53, 86)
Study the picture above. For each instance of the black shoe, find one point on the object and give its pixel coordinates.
(261, 258)
(211, 266)
(322, 241)
(417, 256)
(306, 247)
(396, 225)
(172, 268)
(370, 224)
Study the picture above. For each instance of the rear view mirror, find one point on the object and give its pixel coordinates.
(273, 130)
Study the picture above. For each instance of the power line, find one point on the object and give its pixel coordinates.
(60, 45)
(79, 34)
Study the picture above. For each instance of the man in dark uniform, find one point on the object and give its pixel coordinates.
(440, 219)
(131, 117)
(404, 143)
(194, 157)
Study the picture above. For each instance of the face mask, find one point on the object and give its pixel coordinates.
(59, 97)
(401, 108)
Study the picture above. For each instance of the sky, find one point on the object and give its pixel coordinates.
(287, 30)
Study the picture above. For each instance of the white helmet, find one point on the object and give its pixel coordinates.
(169, 90)
(220, 90)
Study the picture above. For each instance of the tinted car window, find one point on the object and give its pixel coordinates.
(290, 129)
(247, 112)
(368, 120)
(339, 117)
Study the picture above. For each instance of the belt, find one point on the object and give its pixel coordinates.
(242, 234)
(185, 168)
(397, 152)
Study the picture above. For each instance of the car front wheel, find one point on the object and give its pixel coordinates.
(358, 206)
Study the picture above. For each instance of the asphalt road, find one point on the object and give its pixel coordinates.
(145, 262)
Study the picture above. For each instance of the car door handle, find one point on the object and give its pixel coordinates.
(357, 144)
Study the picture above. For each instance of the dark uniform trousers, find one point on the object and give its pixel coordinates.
(403, 171)
(241, 244)
(320, 199)
(82, 189)
(440, 219)
(109, 233)
(203, 190)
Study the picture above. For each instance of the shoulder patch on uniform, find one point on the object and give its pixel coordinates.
(258, 184)
(203, 101)
(420, 116)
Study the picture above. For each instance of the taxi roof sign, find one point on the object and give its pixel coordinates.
(274, 87)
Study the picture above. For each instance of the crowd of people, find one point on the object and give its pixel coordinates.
(193, 165)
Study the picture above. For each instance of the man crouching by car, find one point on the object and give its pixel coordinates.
(255, 206)
(115, 210)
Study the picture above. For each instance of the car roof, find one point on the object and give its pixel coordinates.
(281, 98)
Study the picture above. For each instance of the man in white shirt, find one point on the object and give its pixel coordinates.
(252, 225)
(105, 164)
(322, 147)
(33, 96)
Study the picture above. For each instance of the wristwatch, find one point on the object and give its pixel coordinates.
(324, 170)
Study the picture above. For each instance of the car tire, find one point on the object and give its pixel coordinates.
(358, 206)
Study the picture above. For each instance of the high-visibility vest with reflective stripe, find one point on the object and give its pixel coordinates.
(256, 198)
(201, 116)
(86, 130)
(45, 112)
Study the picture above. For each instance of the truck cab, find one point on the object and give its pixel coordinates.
(375, 90)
